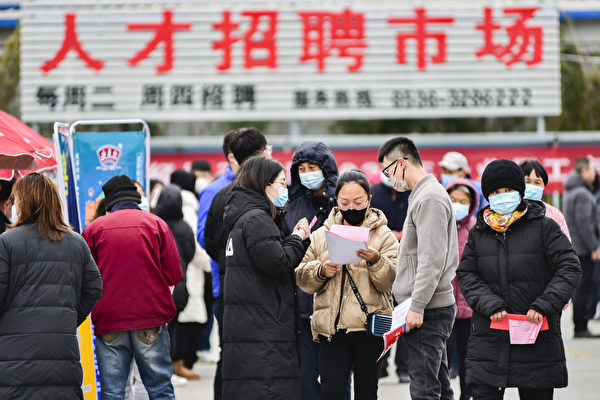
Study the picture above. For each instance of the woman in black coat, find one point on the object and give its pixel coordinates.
(183, 341)
(516, 261)
(49, 283)
(260, 352)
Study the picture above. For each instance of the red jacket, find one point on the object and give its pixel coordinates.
(138, 260)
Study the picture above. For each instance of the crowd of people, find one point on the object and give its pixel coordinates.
(249, 251)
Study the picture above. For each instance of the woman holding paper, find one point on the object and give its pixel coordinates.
(517, 272)
(338, 322)
(260, 341)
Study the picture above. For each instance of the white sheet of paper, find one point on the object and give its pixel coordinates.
(523, 332)
(343, 251)
(399, 314)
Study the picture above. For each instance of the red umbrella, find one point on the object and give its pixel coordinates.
(22, 148)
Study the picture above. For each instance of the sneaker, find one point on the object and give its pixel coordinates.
(403, 377)
(207, 357)
(585, 334)
(178, 381)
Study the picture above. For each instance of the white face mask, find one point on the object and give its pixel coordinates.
(201, 183)
(399, 185)
(14, 214)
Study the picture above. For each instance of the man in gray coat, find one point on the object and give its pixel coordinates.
(427, 262)
(581, 213)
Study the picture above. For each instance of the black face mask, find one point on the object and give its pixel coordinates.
(354, 217)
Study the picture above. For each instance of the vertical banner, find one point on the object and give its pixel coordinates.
(97, 157)
(87, 349)
(66, 182)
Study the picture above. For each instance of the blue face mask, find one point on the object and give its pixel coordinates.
(445, 179)
(533, 192)
(144, 205)
(282, 199)
(312, 180)
(505, 203)
(460, 211)
(385, 180)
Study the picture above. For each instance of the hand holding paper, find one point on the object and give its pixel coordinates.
(344, 241)
(398, 325)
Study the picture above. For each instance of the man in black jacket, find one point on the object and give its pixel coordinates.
(581, 213)
(247, 142)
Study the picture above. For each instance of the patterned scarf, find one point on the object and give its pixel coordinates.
(499, 222)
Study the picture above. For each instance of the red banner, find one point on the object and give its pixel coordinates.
(558, 160)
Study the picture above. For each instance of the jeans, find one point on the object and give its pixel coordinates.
(486, 392)
(583, 295)
(149, 347)
(346, 352)
(427, 360)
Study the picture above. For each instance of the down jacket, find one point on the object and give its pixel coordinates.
(303, 203)
(531, 266)
(334, 296)
(260, 322)
(47, 288)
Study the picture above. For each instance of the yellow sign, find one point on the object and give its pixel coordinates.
(88, 360)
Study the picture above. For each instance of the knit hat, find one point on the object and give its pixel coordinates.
(119, 188)
(502, 174)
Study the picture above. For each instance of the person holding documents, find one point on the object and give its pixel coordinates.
(427, 262)
(260, 327)
(338, 321)
(517, 272)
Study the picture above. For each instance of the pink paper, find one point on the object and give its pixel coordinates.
(356, 233)
(523, 332)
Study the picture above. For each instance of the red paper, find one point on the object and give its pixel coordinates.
(503, 325)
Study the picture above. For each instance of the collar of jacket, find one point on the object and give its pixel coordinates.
(425, 181)
(122, 205)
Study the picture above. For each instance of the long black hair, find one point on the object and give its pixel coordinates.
(256, 173)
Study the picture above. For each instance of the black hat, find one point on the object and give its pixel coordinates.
(119, 188)
(502, 174)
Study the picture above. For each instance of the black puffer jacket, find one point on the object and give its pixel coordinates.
(531, 266)
(260, 348)
(169, 209)
(47, 288)
(303, 203)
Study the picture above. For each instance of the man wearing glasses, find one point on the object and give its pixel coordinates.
(427, 262)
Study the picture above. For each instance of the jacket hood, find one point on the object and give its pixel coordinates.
(575, 180)
(315, 153)
(474, 195)
(240, 201)
(374, 219)
(535, 209)
(169, 204)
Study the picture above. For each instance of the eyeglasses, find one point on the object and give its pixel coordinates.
(385, 172)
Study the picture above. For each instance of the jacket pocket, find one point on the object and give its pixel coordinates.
(408, 271)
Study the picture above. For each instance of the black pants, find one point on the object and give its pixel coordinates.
(485, 392)
(583, 295)
(460, 338)
(309, 363)
(355, 351)
(219, 310)
(184, 338)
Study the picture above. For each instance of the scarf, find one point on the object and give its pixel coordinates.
(499, 222)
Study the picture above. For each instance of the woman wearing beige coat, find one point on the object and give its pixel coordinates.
(338, 322)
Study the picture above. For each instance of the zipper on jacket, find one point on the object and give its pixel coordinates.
(337, 318)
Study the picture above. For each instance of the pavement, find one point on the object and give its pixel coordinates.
(583, 363)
